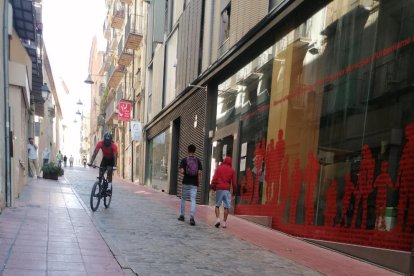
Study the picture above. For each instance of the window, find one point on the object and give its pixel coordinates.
(224, 29)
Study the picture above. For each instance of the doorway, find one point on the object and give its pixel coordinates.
(224, 143)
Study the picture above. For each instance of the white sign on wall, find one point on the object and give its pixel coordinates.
(136, 131)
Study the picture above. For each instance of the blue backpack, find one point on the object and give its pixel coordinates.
(192, 166)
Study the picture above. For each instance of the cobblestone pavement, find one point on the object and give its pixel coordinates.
(147, 239)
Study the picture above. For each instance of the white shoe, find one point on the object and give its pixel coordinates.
(223, 225)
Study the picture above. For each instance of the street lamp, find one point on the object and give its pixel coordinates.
(45, 91)
(78, 112)
(89, 79)
(79, 102)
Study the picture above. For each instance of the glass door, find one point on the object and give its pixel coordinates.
(221, 148)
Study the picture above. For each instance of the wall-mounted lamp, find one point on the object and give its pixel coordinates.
(89, 80)
(78, 112)
(45, 91)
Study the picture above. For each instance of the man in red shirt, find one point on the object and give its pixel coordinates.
(223, 181)
(109, 155)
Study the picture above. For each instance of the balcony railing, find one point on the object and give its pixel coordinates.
(133, 31)
(118, 17)
(111, 111)
(224, 47)
(125, 56)
(107, 29)
(106, 62)
(116, 73)
(113, 40)
(128, 2)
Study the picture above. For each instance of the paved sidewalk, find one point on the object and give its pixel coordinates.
(142, 230)
(49, 233)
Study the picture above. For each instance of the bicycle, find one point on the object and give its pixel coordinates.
(99, 189)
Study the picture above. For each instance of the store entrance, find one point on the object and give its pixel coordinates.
(225, 143)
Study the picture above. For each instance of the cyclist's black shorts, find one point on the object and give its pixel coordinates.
(108, 162)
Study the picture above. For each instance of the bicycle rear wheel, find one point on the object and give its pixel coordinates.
(95, 196)
(108, 198)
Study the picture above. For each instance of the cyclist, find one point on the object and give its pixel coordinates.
(109, 156)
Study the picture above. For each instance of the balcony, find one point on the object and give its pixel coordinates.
(106, 29)
(113, 42)
(127, 2)
(133, 31)
(118, 17)
(301, 36)
(111, 110)
(224, 48)
(125, 55)
(116, 73)
(106, 62)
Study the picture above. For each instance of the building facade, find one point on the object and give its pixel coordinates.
(25, 112)
(312, 99)
(116, 84)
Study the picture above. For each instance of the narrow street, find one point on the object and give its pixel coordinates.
(146, 237)
(53, 232)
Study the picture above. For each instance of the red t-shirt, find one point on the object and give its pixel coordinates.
(107, 152)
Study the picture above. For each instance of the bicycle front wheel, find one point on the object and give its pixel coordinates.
(95, 196)
(108, 198)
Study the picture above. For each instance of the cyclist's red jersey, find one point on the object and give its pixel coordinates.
(107, 152)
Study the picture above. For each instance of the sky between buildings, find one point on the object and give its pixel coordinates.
(69, 27)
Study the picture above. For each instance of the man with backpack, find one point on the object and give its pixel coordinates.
(191, 168)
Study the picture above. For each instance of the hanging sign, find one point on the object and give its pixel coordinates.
(124, 111)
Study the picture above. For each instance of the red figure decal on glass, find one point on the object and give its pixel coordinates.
(405, 183)
(330, 204)
(284, 187)
(270, 171)
(310, 178)
(346, 200)
(296, 185)
(259, 155)
(365, 182)
(382, 182)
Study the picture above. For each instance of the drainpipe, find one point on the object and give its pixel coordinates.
(7, 9)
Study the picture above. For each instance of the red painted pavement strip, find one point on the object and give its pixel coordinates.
(317, 258)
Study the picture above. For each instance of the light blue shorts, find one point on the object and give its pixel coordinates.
(223, 196)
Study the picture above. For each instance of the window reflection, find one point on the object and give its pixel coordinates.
(159, 161)
(326, 114)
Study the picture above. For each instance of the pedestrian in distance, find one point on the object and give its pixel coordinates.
(32, 154)
(59, 158)
(71, 159)
(223, 181)
(46, 156)
(191, 168)
(65, 160)
(84, 161)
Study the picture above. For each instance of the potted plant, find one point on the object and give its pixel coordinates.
(51, 171)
